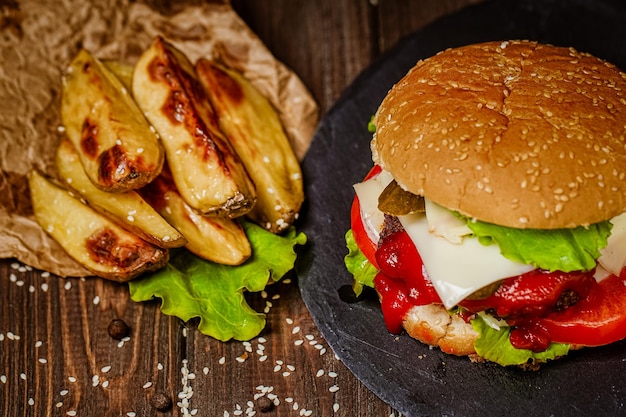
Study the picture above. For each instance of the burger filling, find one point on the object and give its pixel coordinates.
(535, 287)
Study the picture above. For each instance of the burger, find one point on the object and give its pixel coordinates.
(492, 224)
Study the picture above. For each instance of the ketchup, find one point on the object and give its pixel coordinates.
(401, 281)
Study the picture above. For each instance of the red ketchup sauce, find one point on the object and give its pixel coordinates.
(400, 280)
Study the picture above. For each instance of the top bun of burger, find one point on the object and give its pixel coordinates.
(516, 133)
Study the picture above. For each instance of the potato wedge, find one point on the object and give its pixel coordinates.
(93, 240)
(207, 171)
(118, 148)
(252, 126)
(217, 239)
(123, 72)
(127, 209)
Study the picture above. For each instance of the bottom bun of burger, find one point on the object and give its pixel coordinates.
(433, 325)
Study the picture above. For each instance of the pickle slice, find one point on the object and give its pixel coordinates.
(396, 201)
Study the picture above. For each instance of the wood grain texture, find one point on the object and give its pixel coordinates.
(56, 356)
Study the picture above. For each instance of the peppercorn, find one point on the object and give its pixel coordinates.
(161, 401)
(118, 329)
(264, 404)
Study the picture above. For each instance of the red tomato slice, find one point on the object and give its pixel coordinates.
(598, 319)
(358, 229)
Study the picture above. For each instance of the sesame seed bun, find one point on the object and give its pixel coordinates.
(514, 133)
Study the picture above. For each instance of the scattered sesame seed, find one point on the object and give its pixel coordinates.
(68, 285)
(71, 378)
(105, 384)
(335, 407)
(3, 379)
(222, 360)
(71, 413)
(334, 388)
(160, 366)
(295, 330)
(105, 369)
(23, 376)
(43, 360)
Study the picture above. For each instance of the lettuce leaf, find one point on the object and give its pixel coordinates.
(494, 345)
(564, 250)
(192, 287)
(358, 265)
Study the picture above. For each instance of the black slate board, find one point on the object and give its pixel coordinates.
(412, 378)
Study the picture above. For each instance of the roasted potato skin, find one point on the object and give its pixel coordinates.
(217, 239)
(206, 169)
(127, 209)
(255, 131)
(118, 148)
(94, 241)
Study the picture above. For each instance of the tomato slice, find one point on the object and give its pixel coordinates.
(358, 229)
(598, 319)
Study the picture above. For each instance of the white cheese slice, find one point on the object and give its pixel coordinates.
(613, 256)
(367, 193)
(443, 223)
(458, 270)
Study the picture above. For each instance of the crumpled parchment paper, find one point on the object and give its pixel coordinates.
(38, 39)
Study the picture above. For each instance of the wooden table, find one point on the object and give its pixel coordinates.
(56, 356)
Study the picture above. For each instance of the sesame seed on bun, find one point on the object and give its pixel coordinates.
(515, 133)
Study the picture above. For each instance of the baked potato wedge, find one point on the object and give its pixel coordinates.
(93, 240)
(123, 72)
(127, 209)
(253, 128)
(206, 169)
(118, 148)
(218, 239)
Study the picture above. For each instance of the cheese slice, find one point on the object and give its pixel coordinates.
(458, 269)
(613, 256)
(367, 193)
(443, 223)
